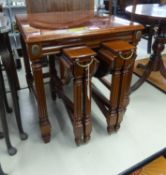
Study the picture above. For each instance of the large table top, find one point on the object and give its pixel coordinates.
(42, 27)
(149, 13)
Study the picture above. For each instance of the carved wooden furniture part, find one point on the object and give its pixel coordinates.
(148, 32)
(38, 42)
(116, 57)
(42, 6)
(153, 14)
(83, 64)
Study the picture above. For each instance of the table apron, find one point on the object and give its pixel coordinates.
(55, 47)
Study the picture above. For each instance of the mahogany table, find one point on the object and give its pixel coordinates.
(152, 14)
(48, 33)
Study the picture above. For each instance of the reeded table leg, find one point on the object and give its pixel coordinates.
(81, 60)
(115, 87)
(123, 91)
(83, 73)
(41, 100)
(120, 65)
(77, 123)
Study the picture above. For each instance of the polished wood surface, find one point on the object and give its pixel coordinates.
(118, 46)
(78, 52)
(92, 26)
(39, 6)
(39, 42)
(153, 14)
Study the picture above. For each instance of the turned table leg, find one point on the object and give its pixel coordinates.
(82, 106)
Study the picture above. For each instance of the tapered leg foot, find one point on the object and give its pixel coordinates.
(87, 139)
(117, 127)
(78, 132)
(78, 142)
(110, 129)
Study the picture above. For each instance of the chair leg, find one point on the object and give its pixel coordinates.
(23, 135)
(10, 148)
(8, 108)
(9, 67)
(12, 52)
